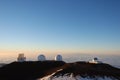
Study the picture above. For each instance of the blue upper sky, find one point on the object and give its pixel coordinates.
(60, 25)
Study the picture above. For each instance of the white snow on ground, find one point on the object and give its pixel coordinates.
(50, 76)
(75, 78)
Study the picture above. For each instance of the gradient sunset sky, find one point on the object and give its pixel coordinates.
(59, 26)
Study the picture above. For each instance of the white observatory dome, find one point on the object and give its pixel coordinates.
(41, 58)
(95, 61)
(58, 58)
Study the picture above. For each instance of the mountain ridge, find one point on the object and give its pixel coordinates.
(38, 69)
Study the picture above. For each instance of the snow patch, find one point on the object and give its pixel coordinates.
(49, 77)
(70, 77)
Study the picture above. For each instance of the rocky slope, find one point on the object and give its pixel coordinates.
(58, 70)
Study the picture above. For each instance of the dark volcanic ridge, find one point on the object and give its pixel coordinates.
(38, 69)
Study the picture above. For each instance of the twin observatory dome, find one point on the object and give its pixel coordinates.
(43, 58)
(22, 58)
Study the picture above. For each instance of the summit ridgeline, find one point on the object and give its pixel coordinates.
(32, 70)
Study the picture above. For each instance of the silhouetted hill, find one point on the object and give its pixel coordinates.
(85, 69)
(28, 70)
(2, 64)
(37, 69)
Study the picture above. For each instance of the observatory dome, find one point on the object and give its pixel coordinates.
(41, 58)
(95, 60)
(21, 58)
(58, 58)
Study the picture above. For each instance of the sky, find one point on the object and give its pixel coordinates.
(59, 26)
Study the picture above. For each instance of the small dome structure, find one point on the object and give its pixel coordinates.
(41, 58)
(58, 58)
(95, 61)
